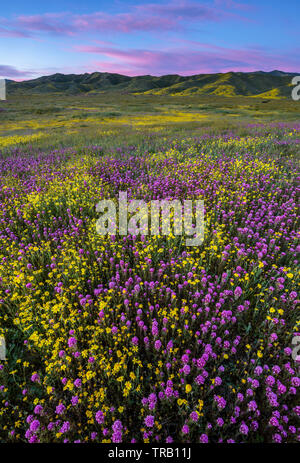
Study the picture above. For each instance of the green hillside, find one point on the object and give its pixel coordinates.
(275, 84)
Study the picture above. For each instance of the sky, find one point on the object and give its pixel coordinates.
(154, 37)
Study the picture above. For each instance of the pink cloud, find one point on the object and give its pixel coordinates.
(234, 5)
(188, 61)
(148, 17)
(192, 11)
(50, 23)
(11, 72)
(13, 33)
(122, 23)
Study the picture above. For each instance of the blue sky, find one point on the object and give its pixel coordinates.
(147, 37)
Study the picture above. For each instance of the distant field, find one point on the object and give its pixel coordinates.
(57, 120)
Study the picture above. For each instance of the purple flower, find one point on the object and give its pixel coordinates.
(273, 421)
(218, 381)
(254, 425)
(244, 429)
(35, 378)
(220, 422)
(77, 382)
(221, 402)
(117, 426)
(117, 437)
(65, 427)
(60, 409)
(149, 421)
(185, 358)
(258, 370)
(72, 342)
(185, 429)
(34, 426)
(252, 406)
(99, 417)
(295, 381)
(168, 392)
(194, 416)
(203, 439)
(74, 400)
(186, 369)
(38, 409)
(277, 438)
(157, 344)
(200, 380)
(238, 292)
(33, 439)
(270, 381)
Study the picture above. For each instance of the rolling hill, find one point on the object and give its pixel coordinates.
(274, 84)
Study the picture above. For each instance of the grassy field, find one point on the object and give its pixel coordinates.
(58, 120)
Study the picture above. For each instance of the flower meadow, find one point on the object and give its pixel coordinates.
(141, 338)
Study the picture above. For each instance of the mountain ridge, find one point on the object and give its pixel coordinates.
(273, 84)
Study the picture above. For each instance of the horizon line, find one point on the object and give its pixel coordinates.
(149, 75)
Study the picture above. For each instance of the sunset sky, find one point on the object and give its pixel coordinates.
(147, 37)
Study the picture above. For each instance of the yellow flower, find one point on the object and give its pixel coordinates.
(128, 385)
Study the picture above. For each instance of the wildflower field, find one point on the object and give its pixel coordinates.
(141, 338)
